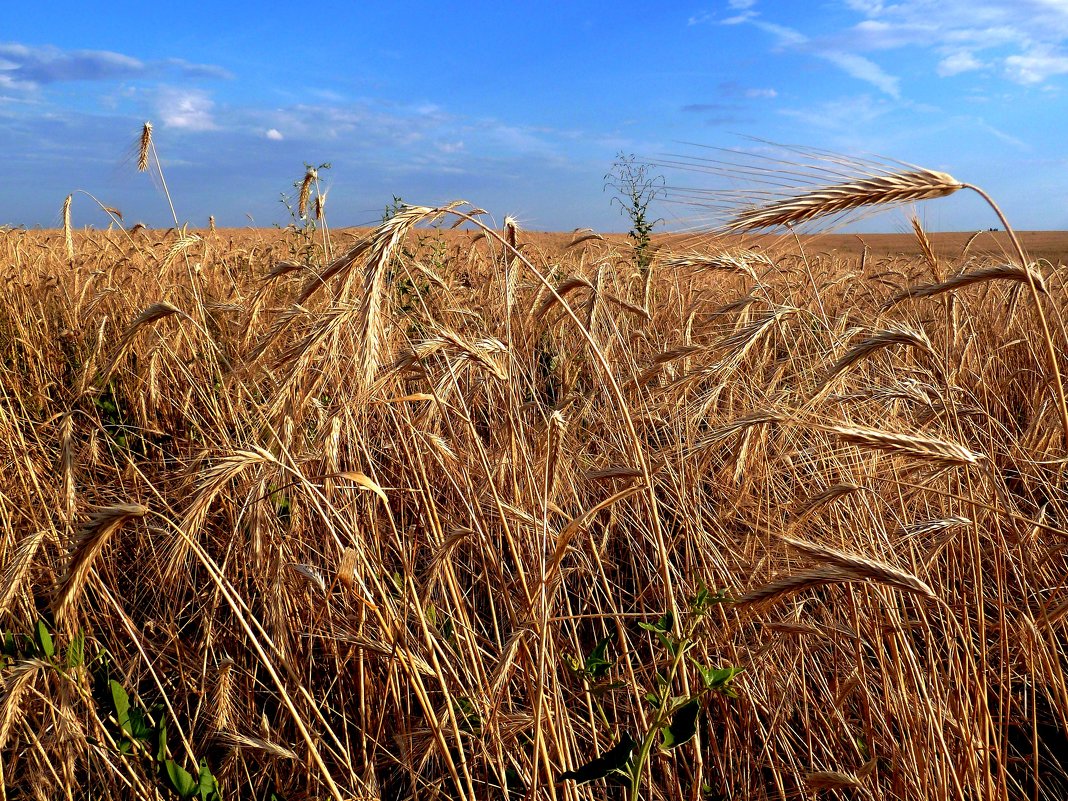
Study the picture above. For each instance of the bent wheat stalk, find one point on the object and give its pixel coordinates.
(91, 542)
(891, 188)
(881, 187)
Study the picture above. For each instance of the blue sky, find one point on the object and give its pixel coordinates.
(520, 108)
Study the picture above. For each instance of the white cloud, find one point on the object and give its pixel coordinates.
(744, 9)
(29, 67)
(1026, 36)
(956, 63)
(186, 109)
(866, 6)
(761, 93)
(864, 69)
(853, 64)
(738, 19)
(1027, 39)
(740, 11)
(999, 134)
(1036, 66)
(787, 37)
(274, 135)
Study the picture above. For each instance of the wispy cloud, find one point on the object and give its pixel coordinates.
(185, 109)
(1036, 66)
(739, 11)
(29, 67)
(1024, 41)
(1025, 38)
(956, 63)
(863, 69)
(735, 89)
(853, 64)
(704, 108)
(25, 67)
(999, 134)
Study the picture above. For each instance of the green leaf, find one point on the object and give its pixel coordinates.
(141, 727)
(161, 743)
(467, 714)
(668, 642)
(181, 780)
(121, 701)
(683, 725)
(699, 602)
(75, 655)
(720, 679)
(597, 663)
(665, 624)
(615, 758)
(208, 786)
(44, 640)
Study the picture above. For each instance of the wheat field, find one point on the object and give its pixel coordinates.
(424, 513)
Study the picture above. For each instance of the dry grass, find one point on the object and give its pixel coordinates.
(393, 493)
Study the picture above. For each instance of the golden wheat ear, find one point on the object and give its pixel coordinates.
(144, 146)
(68, 236)
(90, 544)
(836, 199)
(305, 193)
(811, 185)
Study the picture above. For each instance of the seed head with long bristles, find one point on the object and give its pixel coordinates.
(144, 146)
(827, 201)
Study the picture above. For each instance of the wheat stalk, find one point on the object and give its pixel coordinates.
(144, 147)
(894, 335)
(68, 236)
(239, 742)
(935, 450)
(1008, 272)
(91, 542)
(892, 188)
(788, 585)
(925, 244)
(864, 567)
(305, 193)
(831, 780)
(224, 712)
(153, 314)
(16, 683)
(722, 262)
(17, 568)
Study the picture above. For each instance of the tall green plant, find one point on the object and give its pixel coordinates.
(673, 719)
(634, 188)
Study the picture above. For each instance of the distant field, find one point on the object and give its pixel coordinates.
(1049, 245)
